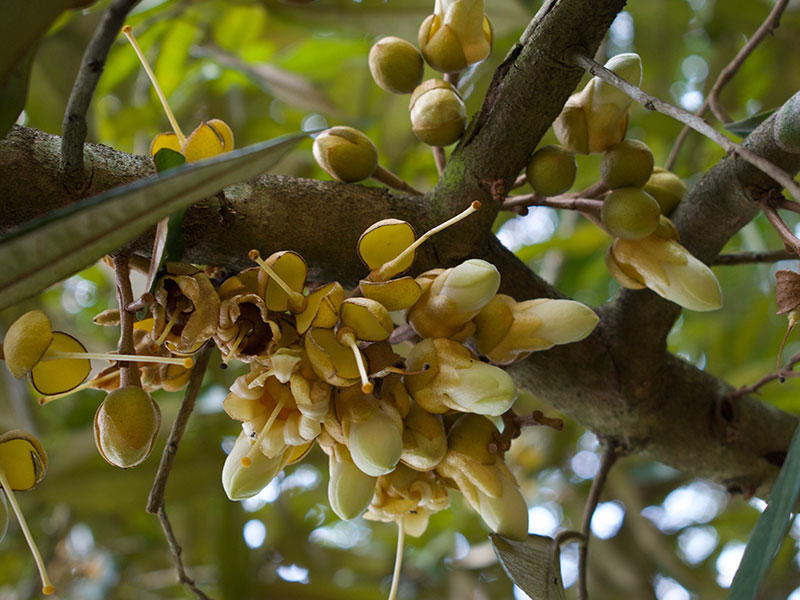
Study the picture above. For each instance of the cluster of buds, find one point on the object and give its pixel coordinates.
(646, 252)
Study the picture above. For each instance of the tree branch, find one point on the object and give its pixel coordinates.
(769, 25)
(74, 127)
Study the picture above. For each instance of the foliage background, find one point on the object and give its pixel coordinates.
(678, 539)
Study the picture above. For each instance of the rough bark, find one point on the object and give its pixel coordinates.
(620, 382)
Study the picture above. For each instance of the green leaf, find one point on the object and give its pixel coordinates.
(22, 24)
(166, 159)
(14, 91)
(54, 247)
(533, 565)
(746, 126)
(770, 528)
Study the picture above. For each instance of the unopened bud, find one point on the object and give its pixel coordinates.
(349, 489)
(438, 114)
(346, 154)
(396, 65)
(667, 188)
(240, 482)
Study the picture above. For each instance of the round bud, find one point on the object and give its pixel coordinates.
(396, 65)
(551, 170)
(627, 164)
(630, 213)
(346, 154)
(667, 188)
(438, 115)
(126, 425)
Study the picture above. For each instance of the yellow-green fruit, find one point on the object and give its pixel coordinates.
(630, 213)
(551, 170)
(438, 114)
(396, 65)
(667, 188)
(346, 154)
(627, 164)
(126, 425)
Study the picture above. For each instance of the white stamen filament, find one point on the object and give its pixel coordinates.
(248, 460)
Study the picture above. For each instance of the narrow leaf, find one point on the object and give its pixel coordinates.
(533, 565)
(164, 160)
(746, 126)
(771, 527)
(54, 247)
(22, 24)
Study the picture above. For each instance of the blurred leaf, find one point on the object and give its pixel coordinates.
(770, 528)
(22, 24)
(53, 247)
(745, 127)
(172, 56)
(291, 88)
(3, 515)
(14, 91)
(532, 565)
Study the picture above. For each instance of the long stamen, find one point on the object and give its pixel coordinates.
(47, 399)
(243, 331)
(295, 298)
(168, 328)
(187, 362)
(349, 339)
(248, 460)
(126, 30)
(47, 586)
(398, 560)
(389, 269)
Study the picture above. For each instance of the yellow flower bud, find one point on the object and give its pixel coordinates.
(455, 380)
(396, 65)
(438, 114)
(240, 482)
(453, 298)
(126, 425)
(349, 489)
(667, 188)
(346, 154)
(664, 266)
(457, 35)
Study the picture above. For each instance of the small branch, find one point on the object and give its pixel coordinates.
(609, 458)
(155, 502)
(144, 301)
(786, 372)
(156, 499)
(520, 181)
(588, 206)
(176, 551)
(741, 258)
(440, 158)
(513, 425)
(74, 127)
(696, 123)
(769, 25)
(393, 181)
(769, 210)
(128, 371)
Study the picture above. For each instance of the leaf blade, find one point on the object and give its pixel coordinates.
(532, 565)
(771, 527)
(50, 249)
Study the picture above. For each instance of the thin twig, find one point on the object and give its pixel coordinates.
(513, 424)
(176, 551)
(609, 458)
(584, 205)
(769, 25)
(741, 258)
(440, 158)
(786, 372)
(74, 127)
(778, 223)
(696, 123)
(385, 176)
(520, 181)
(156, 499)
(128, 370)
(155, 502)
